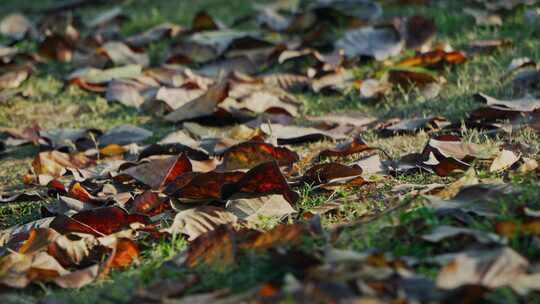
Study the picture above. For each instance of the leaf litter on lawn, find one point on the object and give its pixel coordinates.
(242, 151)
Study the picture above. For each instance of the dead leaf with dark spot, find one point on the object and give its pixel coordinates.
(158, 173)
(247, 155)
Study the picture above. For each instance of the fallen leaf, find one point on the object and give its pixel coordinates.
(94, 80)
(526, 104)
(120, 54)
(13, 78)
(124, 253)
(384, 42)
(99, 221)
(264, 179)
(357, 145)
(334, 174)
(55, 163)
(200, 220)
(278, 236)
(158, 173)
(434, 59)
(247, 155)
(154, 34)
(414, 125)
(294, 135)
(214, 247)
(127, 92)
(504, 161)
(491, 268)
(15, 26)
(253, 209)
(124, 135)
(444, 232)
(149, 203)
(204, 105)
(201, 187)
(174, 149)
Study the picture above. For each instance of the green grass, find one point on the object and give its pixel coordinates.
(46, 96)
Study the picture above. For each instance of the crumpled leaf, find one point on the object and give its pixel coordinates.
(55, 163)
(197, 221)
(68, 139)
(7, 235)
(253, 209)
(447, 153)
(501, 267)
(20, 270)
(504, 161)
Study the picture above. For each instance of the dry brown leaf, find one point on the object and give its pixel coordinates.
(501, 267)
(197, 221)
(158, 173)
(204, 105)
(253, 209)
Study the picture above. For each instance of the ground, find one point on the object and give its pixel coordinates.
(47, 97)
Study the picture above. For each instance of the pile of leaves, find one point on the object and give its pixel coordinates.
(243, 153)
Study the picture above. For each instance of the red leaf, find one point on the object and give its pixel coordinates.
(247, 155)
(262, 180)
(149, 203)
(99, 221)
(201, 186)
(357, 145)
